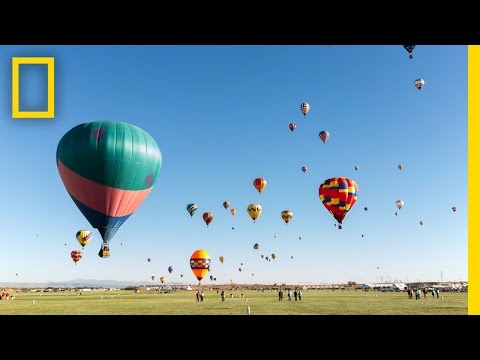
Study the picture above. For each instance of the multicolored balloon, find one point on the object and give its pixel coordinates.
(233, 212)
(338, 195)
(286, 215)
(324, 135)
(226, 204)
(108, 168)
(400, 167)
(84, 237)
(304, 108)
(260, 184)
(419, 84)
(292, 126)
(76, 255)
(255, 246)
(208, 217)
(274, 256)
(304, 169)
(200, 263)
(254, 210)
(399, 204)
(191, 208)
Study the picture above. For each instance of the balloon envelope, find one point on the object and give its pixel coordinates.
(338, 195)
(84, 237)
(108, 168)
(292, 126)
(226, 204)
(191, 208)
(208, 217)
(286, 215)
(76, 255)
(260, 184)
(170, 269)
(254, 210)
(304, 108)
(200, 263)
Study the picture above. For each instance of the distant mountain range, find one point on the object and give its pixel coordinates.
(79, 283)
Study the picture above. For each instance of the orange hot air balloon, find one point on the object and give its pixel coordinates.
(200, 263)
(208, 217)
(338, 195)
(260, 184)
(76, 255)
(233, 212)
(226, 204)
(162, 279)
(287, 215)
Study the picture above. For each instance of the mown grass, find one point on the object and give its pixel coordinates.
(314, 302)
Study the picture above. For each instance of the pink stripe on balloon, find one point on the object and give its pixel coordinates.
(101, 198)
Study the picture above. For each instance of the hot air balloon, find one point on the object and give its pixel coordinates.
(454, 209)
(356, 168)
(419, 84)
(214, 279)
(226, 204)
(262, 256)
(324, 135)
(241, 264)
(83, 237)
(162, 279)
(274, 236)
(191, 208)
(338, 195)
(153, 277)
(362, 235)
(292, 126)
(170, 269)
(181, 275)
(148, 259)
(304, 169)
(421, 222)
(266, 258)
(211, 277)
(76, 255)
(400, 167)
(291, 257)
(233, 212)
(304, 108)
(65, 244)
(108, 168)
(208, 217)
(409, 48)
(255, 247)
(365, 208)
(274, 256)
(396, 214)
(200, 263)
(260, 184)
(254, 210)
(399, 204)
(286, 215)
(299, 238)
(222, 259)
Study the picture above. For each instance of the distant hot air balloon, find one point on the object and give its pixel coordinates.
(233, 212)
(274, 236)
(262, 256)
(291, 257)
(200, 263)
(338, 195)
(76, 255)
(260, 184)
(399, 204)
(421, 222)
(241, 264)
(191, 208)
(304, 108)
(240, 269)
(162, 279)
(286, 215)
(108, 168)
(292, 126)
(419, 84)
(365, 208)
(362, 235)
(211, 277)
(409, 48)
(255, 247)
(222, 259)
(274, 256)
(454, 209)
(214, 279)
(153, 277)
(170, 269)
(226, 204)
(400, 167)
(304, 169)
(65, 244)
(83, 237)
(181, 275)
(356, 168)
(396, 214)
(254, 210)
(324, 135)
(299, 238)
(148, 259)
(208, 217)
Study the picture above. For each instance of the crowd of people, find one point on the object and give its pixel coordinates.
(419, 291)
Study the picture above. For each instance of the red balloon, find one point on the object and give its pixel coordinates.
(338, 195)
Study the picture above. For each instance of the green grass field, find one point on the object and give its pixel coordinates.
(314, 302)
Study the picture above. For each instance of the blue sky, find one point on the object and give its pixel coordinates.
(220, 116)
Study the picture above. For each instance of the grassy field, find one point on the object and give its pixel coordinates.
(314, 302)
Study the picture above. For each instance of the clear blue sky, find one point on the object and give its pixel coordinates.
(220, 115)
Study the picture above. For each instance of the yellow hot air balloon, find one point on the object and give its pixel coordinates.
(287, 215)
(254, 210)
(162, 279)
(222, 259)
(200, 263)
(84, 237)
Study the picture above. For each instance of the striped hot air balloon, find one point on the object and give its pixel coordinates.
(191, 208)
(208, 217)
(292, 126)
(260, 184)
(200, 263)
(108, 168)
(254, 210)
(84, 237)
(338, 195)
(76, 255)
(324, 135)
(304, 108)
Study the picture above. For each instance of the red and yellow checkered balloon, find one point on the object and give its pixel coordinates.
(338, 195)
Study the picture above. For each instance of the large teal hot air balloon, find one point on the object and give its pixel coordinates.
(108, 169)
